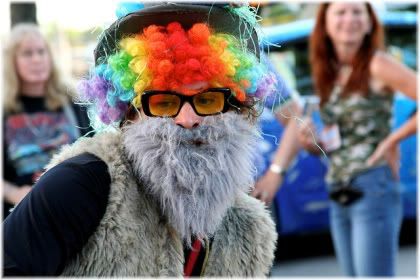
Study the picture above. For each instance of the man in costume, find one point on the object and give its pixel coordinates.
(163, 188)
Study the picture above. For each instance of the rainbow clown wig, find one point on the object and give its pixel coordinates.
(171, 50)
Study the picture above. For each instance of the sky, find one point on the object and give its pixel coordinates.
(74, 14)
(77, 14)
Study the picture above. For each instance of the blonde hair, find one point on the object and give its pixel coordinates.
(57, 91)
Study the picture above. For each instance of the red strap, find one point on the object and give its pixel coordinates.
(192, 258)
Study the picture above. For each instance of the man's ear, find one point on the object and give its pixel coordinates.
(131, 115)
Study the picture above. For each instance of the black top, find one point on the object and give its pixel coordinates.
(31, 137)
(55, 220)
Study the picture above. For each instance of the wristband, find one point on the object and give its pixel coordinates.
(277, 169)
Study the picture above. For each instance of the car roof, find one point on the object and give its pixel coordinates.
(300, 30)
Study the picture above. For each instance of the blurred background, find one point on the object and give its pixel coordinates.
(72, 27)
(301, 206)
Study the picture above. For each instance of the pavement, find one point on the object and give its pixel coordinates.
(326, 265)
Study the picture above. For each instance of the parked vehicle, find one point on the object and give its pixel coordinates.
(302, 202)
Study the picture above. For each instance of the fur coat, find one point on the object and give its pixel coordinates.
(134, 239)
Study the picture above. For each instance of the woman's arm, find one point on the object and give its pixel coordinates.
(307, 137)
(399, 78)
(14, 194)
(407, 129)
(267, 186)
(390, 143)
(394, 74)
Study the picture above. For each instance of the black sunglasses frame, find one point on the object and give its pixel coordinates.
(229, 101)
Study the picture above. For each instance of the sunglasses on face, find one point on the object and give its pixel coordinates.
(212, 101)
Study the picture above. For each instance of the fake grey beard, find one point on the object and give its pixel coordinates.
(196, 173)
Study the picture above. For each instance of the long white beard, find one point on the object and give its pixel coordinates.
(194, 174)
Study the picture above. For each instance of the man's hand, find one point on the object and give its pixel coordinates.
(267, 187)
(387, 149)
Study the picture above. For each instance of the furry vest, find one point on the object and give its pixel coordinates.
(134, 239)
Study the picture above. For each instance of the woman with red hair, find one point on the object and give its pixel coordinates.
(355, 80)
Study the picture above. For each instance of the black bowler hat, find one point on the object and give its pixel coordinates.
(220, 19)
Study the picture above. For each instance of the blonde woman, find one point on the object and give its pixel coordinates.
(38, 116)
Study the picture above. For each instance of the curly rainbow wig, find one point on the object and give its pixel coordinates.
(170, 57)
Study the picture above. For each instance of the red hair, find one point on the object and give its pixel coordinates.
(324, 62)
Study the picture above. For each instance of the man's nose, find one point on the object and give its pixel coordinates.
(187, 118)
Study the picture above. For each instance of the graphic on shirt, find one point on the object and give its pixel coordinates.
(33, 138)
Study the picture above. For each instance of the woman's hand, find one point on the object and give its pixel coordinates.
(267, 186)
(14, 194)
(388, 150)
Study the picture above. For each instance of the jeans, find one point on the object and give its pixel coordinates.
(365, 233)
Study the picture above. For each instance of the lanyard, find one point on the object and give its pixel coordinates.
(192, 258)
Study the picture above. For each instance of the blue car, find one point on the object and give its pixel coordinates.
(301, 205)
